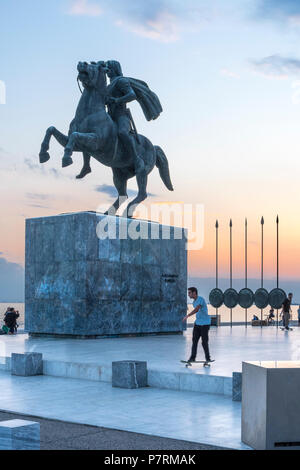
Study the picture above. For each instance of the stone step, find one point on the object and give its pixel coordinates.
(180, 381)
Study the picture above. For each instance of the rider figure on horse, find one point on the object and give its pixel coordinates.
(120, 91)
(94, 133)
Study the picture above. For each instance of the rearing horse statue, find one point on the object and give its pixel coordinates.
(95, 134)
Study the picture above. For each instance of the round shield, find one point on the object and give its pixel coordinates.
(216, 298)
(276, 298)
(246, 298)
(261, 298)
(231, 298)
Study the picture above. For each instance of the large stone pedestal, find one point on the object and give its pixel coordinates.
(270, 405)
(80, 285)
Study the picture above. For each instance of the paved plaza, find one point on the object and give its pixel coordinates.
(59, 435)
(229, 347)
(187, 415)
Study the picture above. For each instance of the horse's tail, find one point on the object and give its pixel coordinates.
(163, 167)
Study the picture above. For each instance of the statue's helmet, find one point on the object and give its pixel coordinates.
(115, 66)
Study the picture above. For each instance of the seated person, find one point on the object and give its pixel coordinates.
(271, 315)
(255, 318)
(10, 320)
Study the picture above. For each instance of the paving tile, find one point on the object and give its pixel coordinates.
(192, 416)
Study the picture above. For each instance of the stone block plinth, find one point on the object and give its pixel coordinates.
(17, 434)
(27, 364)
(129, 374)
(270, 405)
(87, 274)
(236, 386)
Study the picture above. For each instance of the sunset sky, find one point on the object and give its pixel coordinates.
(228, 77)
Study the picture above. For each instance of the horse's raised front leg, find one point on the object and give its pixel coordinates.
(61, 138)
(120, 182)
(79, 142)
(141, 179)
(86, 169)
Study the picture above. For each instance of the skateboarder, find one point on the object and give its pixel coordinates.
(286, 308)
(201, 325)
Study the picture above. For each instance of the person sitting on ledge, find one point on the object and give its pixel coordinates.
(255, 318)
(10, 320)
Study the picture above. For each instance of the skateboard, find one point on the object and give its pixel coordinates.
(284, 329)
(205, 363)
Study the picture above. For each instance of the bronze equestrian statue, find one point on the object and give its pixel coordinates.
(103, 128)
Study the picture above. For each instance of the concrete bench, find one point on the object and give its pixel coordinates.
(27, 364)
(18, 434)
(129, 374)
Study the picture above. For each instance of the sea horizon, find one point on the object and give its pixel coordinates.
(238, 313)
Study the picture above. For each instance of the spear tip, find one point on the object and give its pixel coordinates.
(277, 220)
(230, 223)
(217, 224)
(262, 221)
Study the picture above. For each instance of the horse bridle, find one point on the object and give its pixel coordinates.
(79, 86)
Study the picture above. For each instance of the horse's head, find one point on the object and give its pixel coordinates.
(92, 75)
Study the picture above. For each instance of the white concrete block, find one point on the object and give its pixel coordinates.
(129, 374)
(18, 434)
(270, 405)
(27, 364)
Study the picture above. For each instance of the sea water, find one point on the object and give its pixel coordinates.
(238, 313)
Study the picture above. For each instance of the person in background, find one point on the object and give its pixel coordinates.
(255, 318)
(271, 316)
(5, 330)
(286, 309)
(17, 326)
(201, 326)
(7, 310)
(10, 320)
(298, 311)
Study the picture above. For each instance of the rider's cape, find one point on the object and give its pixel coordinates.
(147, 99)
